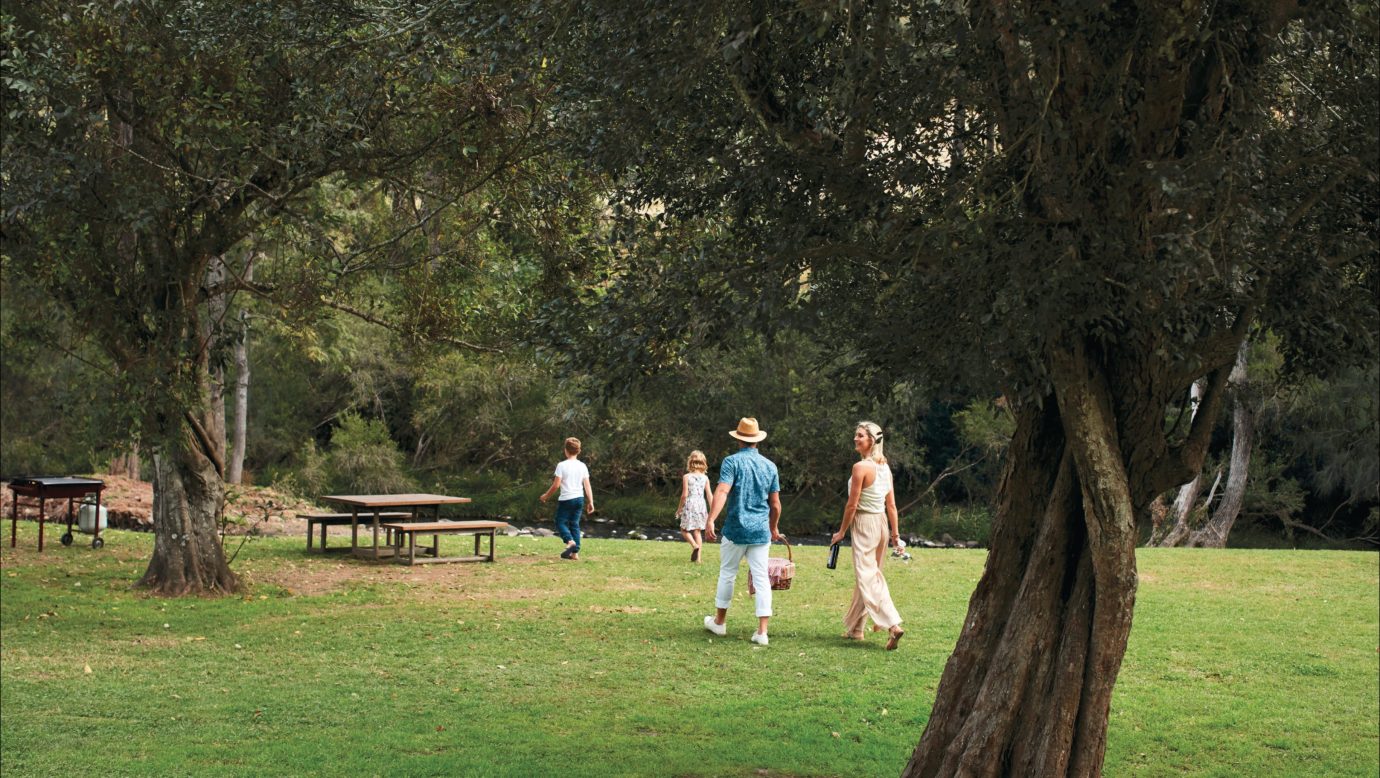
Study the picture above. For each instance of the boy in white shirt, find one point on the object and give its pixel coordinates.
(572, 480)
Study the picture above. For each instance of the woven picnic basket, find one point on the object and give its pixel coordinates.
(779, 571)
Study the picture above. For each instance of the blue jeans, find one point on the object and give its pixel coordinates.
(568, 514)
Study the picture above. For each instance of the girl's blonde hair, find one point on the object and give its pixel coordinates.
(572, 446)
(875, 433)
(697, 463)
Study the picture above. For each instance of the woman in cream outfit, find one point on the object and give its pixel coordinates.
(871, 515)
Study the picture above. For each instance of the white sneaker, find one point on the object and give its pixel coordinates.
(717, 629)
(760, 638)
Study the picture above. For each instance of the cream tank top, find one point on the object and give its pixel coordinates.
(873, 498)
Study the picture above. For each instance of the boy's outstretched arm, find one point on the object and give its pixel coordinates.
(555, 484)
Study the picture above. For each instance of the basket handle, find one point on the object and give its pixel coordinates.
(785, 543)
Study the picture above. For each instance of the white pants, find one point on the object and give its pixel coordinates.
(730, 555)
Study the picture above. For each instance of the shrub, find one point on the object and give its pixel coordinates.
(364, 459)
(308, 478)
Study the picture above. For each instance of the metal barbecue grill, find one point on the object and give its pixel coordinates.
(45, 488)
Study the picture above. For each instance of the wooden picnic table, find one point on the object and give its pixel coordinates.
(375, 504)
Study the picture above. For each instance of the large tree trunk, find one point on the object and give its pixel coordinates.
(1028, 688)
(187, 496)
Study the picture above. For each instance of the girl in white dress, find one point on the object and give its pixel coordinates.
(694, 502)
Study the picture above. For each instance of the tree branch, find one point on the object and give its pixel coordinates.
(365, 316)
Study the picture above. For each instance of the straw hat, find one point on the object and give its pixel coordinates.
(748, 431)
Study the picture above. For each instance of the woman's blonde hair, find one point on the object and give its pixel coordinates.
(875, 433)
(572, 446)
(697, 463)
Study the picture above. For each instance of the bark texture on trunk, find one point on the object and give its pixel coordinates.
(187, 496)
(1028, 688)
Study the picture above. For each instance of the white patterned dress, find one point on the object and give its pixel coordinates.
(695, 514)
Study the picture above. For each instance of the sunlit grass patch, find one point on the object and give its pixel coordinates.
(1240, 663)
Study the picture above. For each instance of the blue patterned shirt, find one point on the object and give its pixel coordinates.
(753, 479)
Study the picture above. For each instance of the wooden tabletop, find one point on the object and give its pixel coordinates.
(394, 500)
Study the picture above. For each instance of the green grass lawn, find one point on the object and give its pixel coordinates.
(1241, 663)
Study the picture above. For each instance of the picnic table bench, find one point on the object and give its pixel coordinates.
(410, 530)
(325, 520)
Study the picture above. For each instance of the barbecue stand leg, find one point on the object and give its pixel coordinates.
(42, 505)
(98, 541)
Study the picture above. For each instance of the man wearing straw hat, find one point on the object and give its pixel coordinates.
(750, 488)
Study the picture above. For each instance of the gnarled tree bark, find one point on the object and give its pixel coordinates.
(1028, 688)
(187, 494)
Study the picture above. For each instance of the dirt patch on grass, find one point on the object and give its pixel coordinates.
(313, 577)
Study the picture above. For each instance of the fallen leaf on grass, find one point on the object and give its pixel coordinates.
(87, 670)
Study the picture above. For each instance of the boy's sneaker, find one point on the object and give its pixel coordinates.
(760, 638)
(717, 629)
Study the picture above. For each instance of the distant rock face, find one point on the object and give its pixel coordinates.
(542, 532)
(947, 539)
(637, 534)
